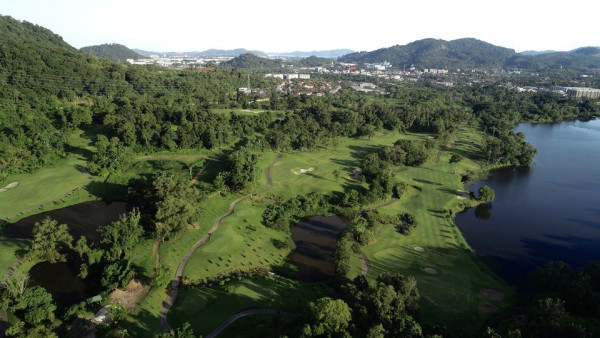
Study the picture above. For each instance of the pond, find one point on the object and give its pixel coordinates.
(61, 280)
(548, 212)
(83, 219)
(315, 238)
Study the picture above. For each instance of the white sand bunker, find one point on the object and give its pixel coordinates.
(431, 271)
(302, 171)
(487, 307)
(10, 186)
(419, 249)
(492, 294)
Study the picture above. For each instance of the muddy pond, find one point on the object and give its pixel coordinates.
(83, 219)
(315, 238)
(61, 279)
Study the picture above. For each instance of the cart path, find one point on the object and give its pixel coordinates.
(244, 313)
(176, 282)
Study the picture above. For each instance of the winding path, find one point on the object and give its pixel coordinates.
(244, 313)
(176, 282)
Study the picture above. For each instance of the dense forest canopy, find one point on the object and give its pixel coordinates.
(112, 51)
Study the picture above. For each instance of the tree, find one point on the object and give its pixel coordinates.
(329, 316)
(49, 239)
(184, 331)
(176, 205)
(35, 305)
(454, 159)
(336, 175)
(486, 193)
(122, 235)
(15, 282)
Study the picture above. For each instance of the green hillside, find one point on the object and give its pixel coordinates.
(251, 61)
(432, 53)
(473, 53)
(112, 51)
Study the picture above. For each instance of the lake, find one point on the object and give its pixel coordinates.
(83, 219)
(316, 238)
(548, 212)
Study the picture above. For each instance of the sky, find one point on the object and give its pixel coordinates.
(309, 25)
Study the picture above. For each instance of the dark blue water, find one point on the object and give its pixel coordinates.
(548, 212)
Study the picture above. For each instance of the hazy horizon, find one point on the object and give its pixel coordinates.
(270, 27)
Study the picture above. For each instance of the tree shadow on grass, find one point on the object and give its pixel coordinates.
(426, 181)
(108, 191)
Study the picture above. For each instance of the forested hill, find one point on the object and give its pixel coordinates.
(432, 53)
(112, 51)
(33, 60)
(48, 88)
(472, 53)
(249, 60)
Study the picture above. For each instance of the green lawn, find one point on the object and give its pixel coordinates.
(48, 184)
(41, 187)
(8, 253)
(452, 296)
(207, 307)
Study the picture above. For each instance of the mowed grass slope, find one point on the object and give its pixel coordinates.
(451, 296)
(48, 184)
(207, 307)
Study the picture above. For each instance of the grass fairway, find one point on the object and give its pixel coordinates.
(452, 296)
(206, 308)
(345, 156)
(8, 250)
(41, 187)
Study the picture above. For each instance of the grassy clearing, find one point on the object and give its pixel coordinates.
(8, 253)
(206, 308)
(452, 296)
(249, 112)
(241, 243)
(38, 190)
(42, 187)
(345, 156)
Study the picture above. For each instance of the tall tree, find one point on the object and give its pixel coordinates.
(50, 240)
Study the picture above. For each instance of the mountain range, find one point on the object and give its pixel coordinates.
(473, 53)
(333, 53)
(427, 53)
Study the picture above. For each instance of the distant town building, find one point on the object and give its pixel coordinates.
(592, 93)
(435, 71)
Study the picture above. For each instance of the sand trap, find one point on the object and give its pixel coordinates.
(419, 249)
(487, 307)
(431, 271)
(492, 294)
(10, 186)
(302, 171)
